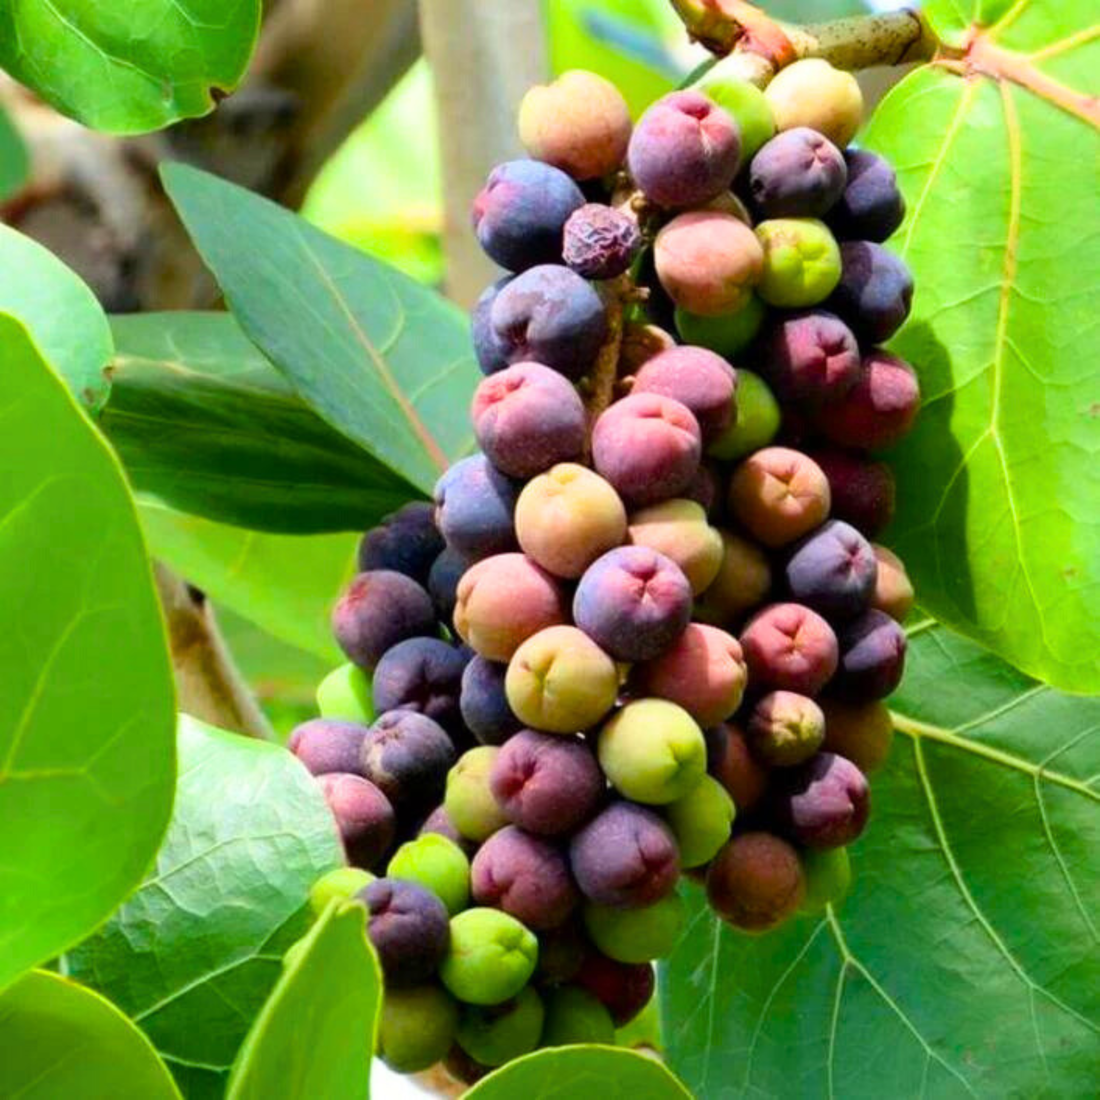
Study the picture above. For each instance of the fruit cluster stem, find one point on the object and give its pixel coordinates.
(761, 46)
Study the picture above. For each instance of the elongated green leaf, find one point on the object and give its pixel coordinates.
(14, 162)
(315, 1034)
(965, 960)
(128, 67)
(997, 486)
(580, 1073)
(59, 1039)
(193, 954)
(205, 423)
(87, 761)
(60, 312)
(285, 583)
(383, 359)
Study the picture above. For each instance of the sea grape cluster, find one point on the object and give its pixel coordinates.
(641, 637)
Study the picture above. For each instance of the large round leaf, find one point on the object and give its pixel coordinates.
(193, 954)
(60, 1039)
(315, 1034)
(128, 67)
(87, 757)
(965, 960)
(580, 1073)
(205, 423)
(384, 360)
(998, 152)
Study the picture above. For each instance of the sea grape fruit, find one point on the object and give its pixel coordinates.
(779, 495)
(636, 935)
(408, 927)
(495, 1034)
(785, 728)
(417, 1027)
(407, 755)
(788, 647)
(484, 704)
(364, 816)
(679, 529)
(832, 570)
(423, 675)
(726, 334)
(652, 751)
(828, 875)
(798, 174)
(527, 418)
(879, 409)
(520, 212)
(875, 291)
(345, 695)
(437, 864)
(708, 262)
(872, 657)
(755, 882)
(893, 590)
(407, 541)
(502, 601)
(825, 802)
(491, 957)
(573, 1015)
(325, 745)
(443, 580)
(871, 206)
(860, 732)
(561, 681)
(802, 262)
(647, 447)
(625, 856)
(600, 241)
(525, 875)
(469, 801)
(810, 357)
(624, 989)
(684, 150)
(579, 123)
(756, 422)
(491, 349)
(337, 885)
(550, 315)
(702, 381)
(377, 611)
(745, 103)
(632, 602)
(704, 672)
(862, 490)
(810, 92)
(701, 821)
(545, 783)
(474, 507)
(568, 517)
(743, 582)
(734, 766)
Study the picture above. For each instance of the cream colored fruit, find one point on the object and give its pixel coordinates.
(812, 93)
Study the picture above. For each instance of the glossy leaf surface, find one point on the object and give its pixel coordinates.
(87, 754)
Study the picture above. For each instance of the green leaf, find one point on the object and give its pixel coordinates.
(580, 1073)
(128, 68)
(14, 162)
(60, 1039)
(193, 954)
(315, 1034)
(380, 357)
(87, 760)
(964, 961)
(61, 313)
(997, 485)
(286, 584)
(204, 423)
